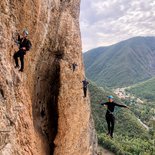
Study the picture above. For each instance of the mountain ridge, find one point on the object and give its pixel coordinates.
(124, 63)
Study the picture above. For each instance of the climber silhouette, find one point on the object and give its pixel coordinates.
(74, 65)
(85, 85)
(110, 118)
(24, 46)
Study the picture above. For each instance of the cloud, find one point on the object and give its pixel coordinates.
(106, 22)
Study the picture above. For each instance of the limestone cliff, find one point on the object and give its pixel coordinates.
(42, 110)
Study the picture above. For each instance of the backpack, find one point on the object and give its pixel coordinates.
(29, 45)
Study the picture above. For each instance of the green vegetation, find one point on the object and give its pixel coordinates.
(122, 64)
(122, 145)
(127, 63)
(130, 137)
(144, 90)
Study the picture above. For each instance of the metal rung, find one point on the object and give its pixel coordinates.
(4, 130)
(17, 108)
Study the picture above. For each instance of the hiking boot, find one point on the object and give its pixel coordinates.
(111, 136)
(16, 66)
(21, 70)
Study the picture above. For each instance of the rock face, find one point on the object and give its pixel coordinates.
(42, 110)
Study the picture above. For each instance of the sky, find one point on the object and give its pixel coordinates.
(106, 22)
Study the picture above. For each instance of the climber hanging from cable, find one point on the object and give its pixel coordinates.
(24, 46)
(110, 118)
(74, 65)
(85, 85)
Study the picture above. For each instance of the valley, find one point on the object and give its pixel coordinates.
(132, 126)
(122, 64)
(126, 71)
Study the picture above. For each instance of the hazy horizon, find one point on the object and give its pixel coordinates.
(116, 42)
(105, 23)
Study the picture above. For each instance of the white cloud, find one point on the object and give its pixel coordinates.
(107, 22)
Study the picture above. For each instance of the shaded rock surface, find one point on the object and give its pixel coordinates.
(42, 111)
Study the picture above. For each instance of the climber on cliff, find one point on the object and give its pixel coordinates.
(85, 85)
(24, 46)
(74, 65)
(110, 118)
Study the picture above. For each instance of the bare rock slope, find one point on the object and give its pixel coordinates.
(42, 110)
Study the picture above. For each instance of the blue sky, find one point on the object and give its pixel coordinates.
(105, 22)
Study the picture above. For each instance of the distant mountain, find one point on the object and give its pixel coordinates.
(122, 64)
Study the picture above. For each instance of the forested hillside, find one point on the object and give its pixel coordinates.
(122, 64)
(146, 92)
(130, 136)
(128, 66)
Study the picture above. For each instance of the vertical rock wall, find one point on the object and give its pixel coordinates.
(42, 111)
